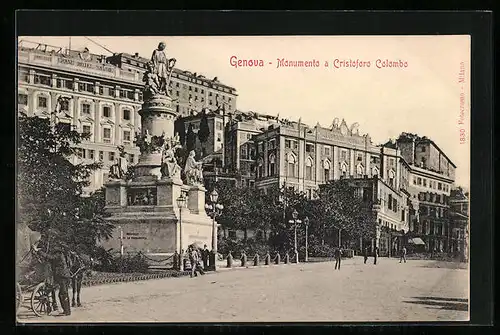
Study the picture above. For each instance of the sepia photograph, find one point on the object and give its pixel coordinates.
(183, 179)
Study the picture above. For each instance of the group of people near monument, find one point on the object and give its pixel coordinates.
(196, 258)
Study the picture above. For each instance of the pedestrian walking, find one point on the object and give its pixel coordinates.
(365, 254)
(205, 255)
(375, 256)
(403, 255)
(61, 271)
(338, 257)
(194, 258)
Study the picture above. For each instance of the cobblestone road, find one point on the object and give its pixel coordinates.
(388, 291)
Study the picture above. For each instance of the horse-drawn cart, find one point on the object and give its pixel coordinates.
(35, 281)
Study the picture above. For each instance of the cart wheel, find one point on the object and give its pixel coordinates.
(40, 300)
(19, 296)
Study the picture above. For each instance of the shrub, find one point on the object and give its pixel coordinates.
(113, 262)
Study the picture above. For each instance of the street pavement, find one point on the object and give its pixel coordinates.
(419, 290)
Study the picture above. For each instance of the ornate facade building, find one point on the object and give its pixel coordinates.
(102, 96)
(432, 175)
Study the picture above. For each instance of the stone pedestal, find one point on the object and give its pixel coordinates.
(144, 210)
(196, 199)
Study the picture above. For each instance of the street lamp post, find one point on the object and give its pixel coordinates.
(181, 202)
(306, 223)
(295, 221)
(214, 209)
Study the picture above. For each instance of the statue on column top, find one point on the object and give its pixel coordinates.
(159, 71)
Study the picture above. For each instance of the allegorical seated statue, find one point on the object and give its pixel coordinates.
(193, 170)
(169, 166)
(119, 169)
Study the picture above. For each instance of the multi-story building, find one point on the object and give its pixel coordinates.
(296, 155)
(432, 175)
(102, 100)
(240, 157)
(103, 96)
(459, 222)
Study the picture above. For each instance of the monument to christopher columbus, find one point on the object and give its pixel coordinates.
(142, 199)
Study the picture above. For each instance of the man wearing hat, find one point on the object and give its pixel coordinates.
(60, 267)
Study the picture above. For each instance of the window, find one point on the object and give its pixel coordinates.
(291, 165)
(86, 108)
(23, 75)
(91, 154)
(42, 102)
(309, 164)
(260, 147)
(126, 114)
(22, 99)
(218, 125)
(272, 165)
(375, 171)
(106, 111)
(309, 147)
(101, 155)
(343, 155)
(42, 80)
(111, 156)
(425, 182)
(360, 170)
(64, 104)
(343, 169)
(359, 157)
(272, 144)
(64, 126)
(219, 137)
(389, 202)
(106, 135)
(439, 186)
(288, 144)
(327, 150)
(423, 149)
(326, 169)
(86, 129)
(131, 158)
(244, 152)
(260, 169)
(126, 137)
(419, 181)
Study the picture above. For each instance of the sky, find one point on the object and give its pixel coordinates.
(422, 98)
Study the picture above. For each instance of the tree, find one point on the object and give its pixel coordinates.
(180, 128)
(338, 207)
(190, 138)
(49, 185)
(204, 131)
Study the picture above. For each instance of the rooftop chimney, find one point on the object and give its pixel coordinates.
(136, 54)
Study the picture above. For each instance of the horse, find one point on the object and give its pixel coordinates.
(80, 264)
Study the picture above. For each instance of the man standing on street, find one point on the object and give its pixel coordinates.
(365, 254)
(375, 256)
(338, 257)
(194, 259)
(205, 254)
(60, 267)
(403, 255)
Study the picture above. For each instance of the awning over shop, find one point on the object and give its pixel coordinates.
(416, 241)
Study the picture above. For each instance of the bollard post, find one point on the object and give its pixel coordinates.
(267, 259)
(243, 259)
(256, 260)
(229, 260)
(278, 258)
(176, 261)
(184, 262)
(287, 258)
